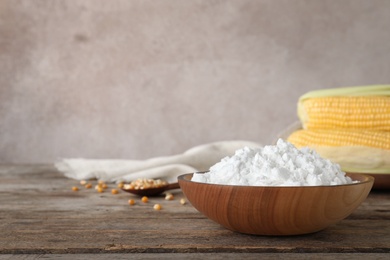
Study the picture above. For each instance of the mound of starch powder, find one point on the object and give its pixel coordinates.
(274, 165)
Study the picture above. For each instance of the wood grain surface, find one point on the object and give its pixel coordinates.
(40, 214)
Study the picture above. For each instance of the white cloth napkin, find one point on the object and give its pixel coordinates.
(196, 159)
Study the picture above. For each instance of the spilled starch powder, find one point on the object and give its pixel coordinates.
(278, 165)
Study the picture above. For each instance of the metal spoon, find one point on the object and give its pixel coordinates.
(153, 191)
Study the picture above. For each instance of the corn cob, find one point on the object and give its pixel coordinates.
(371, 112)
(352, 108)
(340, 137)
(350, 126)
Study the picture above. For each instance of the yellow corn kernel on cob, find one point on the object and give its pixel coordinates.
(340, 137)
(346, 112)
(353, 108)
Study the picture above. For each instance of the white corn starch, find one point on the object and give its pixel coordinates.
(274, 165)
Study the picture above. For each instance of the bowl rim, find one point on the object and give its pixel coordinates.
(369, 179)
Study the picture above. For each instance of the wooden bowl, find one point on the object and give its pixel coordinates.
(262, 210)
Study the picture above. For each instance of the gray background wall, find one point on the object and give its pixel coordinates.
(137, 79)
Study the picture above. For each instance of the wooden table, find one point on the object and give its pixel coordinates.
(41, 216)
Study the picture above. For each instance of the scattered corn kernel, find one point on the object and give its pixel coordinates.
(120, 185)
(83, 182)
(131, 202)
(114, 191)
(157, 206)
(88, 185)
(100, 189)
(169, 196)
(104, 186)
(182, 201)
(145, 199)
(74, 188)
